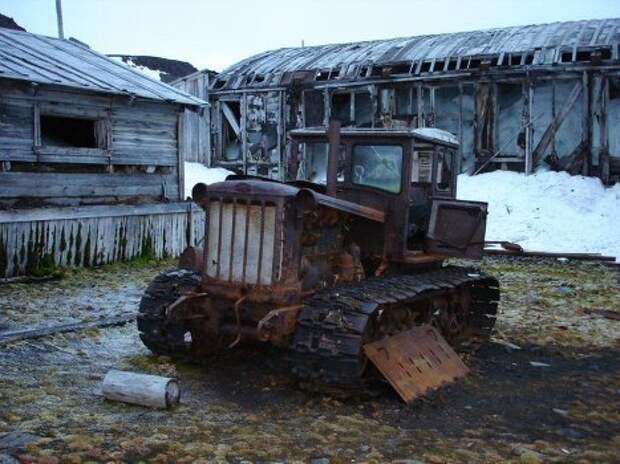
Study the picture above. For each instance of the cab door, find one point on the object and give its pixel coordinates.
(457, 228)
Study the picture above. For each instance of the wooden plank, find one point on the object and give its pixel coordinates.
(586, 126)
(17, 335)
(43, 185)
(95, 211)
(231, 118)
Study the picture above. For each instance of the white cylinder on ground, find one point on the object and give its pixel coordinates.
(146, 390)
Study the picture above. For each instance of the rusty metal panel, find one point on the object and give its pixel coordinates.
(457, 228)
(416, 361)
(234, 251)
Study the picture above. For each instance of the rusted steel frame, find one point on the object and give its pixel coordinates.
(172, 311)
(278, 323)
(282, 294)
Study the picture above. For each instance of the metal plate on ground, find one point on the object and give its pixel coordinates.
(416, 361)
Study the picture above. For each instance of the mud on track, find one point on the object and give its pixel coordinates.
(244, 405)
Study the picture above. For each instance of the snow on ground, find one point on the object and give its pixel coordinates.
(548, 211)
(197, 172)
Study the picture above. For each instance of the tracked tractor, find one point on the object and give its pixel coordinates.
(347, 255)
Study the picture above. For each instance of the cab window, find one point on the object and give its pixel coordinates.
(378, 166)
(444, 170)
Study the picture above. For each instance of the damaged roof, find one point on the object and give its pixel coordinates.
(47, 60)
(543, 44)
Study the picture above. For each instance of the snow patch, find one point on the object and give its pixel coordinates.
(548, 211)
(197, 172)
(152, 73)
(436, 134)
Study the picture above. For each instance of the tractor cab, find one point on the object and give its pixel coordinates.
(410, 175)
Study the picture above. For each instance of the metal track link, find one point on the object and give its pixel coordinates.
(326, 350)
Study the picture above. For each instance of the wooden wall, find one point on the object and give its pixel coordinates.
(196, 141)
(94, 235)
(138, 158)
(504, 120)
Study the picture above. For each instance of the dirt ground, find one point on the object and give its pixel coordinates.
(245, 406)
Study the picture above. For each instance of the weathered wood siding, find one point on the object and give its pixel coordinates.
(94, 235)
(196, 132)
(140, 158)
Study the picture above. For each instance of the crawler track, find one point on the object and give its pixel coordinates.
(336, 322)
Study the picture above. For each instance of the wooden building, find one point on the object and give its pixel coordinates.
(90, 158)
(516, 98)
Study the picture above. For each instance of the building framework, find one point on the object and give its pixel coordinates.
(517, 98)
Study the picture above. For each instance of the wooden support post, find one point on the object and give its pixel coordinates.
(181, 148)
(460, 129)
(604, 156)
(529, 129)
(243, 109)
(586, 126)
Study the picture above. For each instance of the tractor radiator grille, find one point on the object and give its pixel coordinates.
(241, 242)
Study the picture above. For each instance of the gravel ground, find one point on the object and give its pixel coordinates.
(244, 406)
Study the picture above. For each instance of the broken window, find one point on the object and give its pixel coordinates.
(445, 160)
(404, 103)
(363, 109)
(60, 131)
(352, 108)
(341, 108)
(314, 108)
(511, 130)
(313, 167)
(231, 131)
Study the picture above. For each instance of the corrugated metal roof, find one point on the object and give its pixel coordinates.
(47, 60)
(538, 45)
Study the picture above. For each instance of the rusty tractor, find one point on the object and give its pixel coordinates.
(334, 263)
